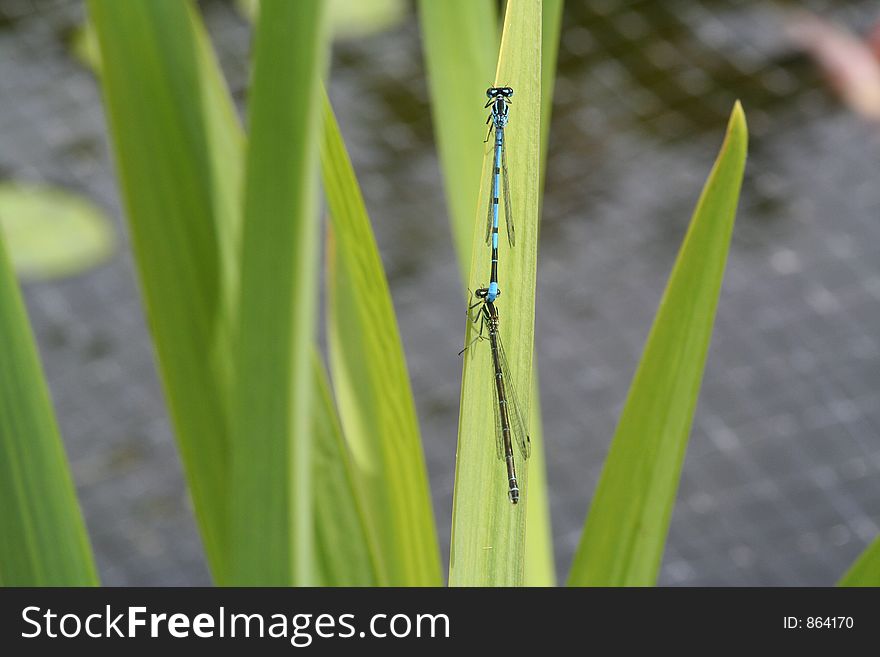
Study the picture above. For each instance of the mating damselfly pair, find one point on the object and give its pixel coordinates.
(510, 424)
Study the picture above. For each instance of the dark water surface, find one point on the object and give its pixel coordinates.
(781, 484)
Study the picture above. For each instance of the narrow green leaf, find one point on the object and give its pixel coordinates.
(488, 532)
(345, 553)
(625, 532)
(43, 540)
(461, 48)
(178, 148)
(866, 570)
(371, 382)
(540, 567)
(551, 27)
(271, 519)
(540, 564)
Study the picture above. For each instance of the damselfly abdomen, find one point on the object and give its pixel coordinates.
(510, 424)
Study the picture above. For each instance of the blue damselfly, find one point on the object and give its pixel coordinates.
(499, 100)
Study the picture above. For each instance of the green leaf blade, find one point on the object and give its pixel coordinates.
(271, 517)
(625, 532)
(488, 532)
(178, 155)
(346, 552)
(461, 48)
(866, 569)
(43, 540)
(551, 28)
(206, 451)
(540, 563)
(540, 566)
(372, 385)
(459, 70)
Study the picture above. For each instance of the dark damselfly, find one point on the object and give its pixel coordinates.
(510, 425)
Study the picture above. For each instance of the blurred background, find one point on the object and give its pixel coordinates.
(781, 484)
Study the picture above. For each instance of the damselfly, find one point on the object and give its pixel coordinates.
(510, 425)
(499, 100)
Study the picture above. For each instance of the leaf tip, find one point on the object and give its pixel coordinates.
(737, 129)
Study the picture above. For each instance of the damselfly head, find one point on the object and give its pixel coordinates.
(495, 92)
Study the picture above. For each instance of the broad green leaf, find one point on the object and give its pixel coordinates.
(271, 518)
(371, 383)
(461, 49)
(43, 540)
(178, 151)
(488, 532)
(625, 532)
(866, 570)
(52, 233)
(345, 554)
(458, 102)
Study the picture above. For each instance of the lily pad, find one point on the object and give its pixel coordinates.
(52, 233)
